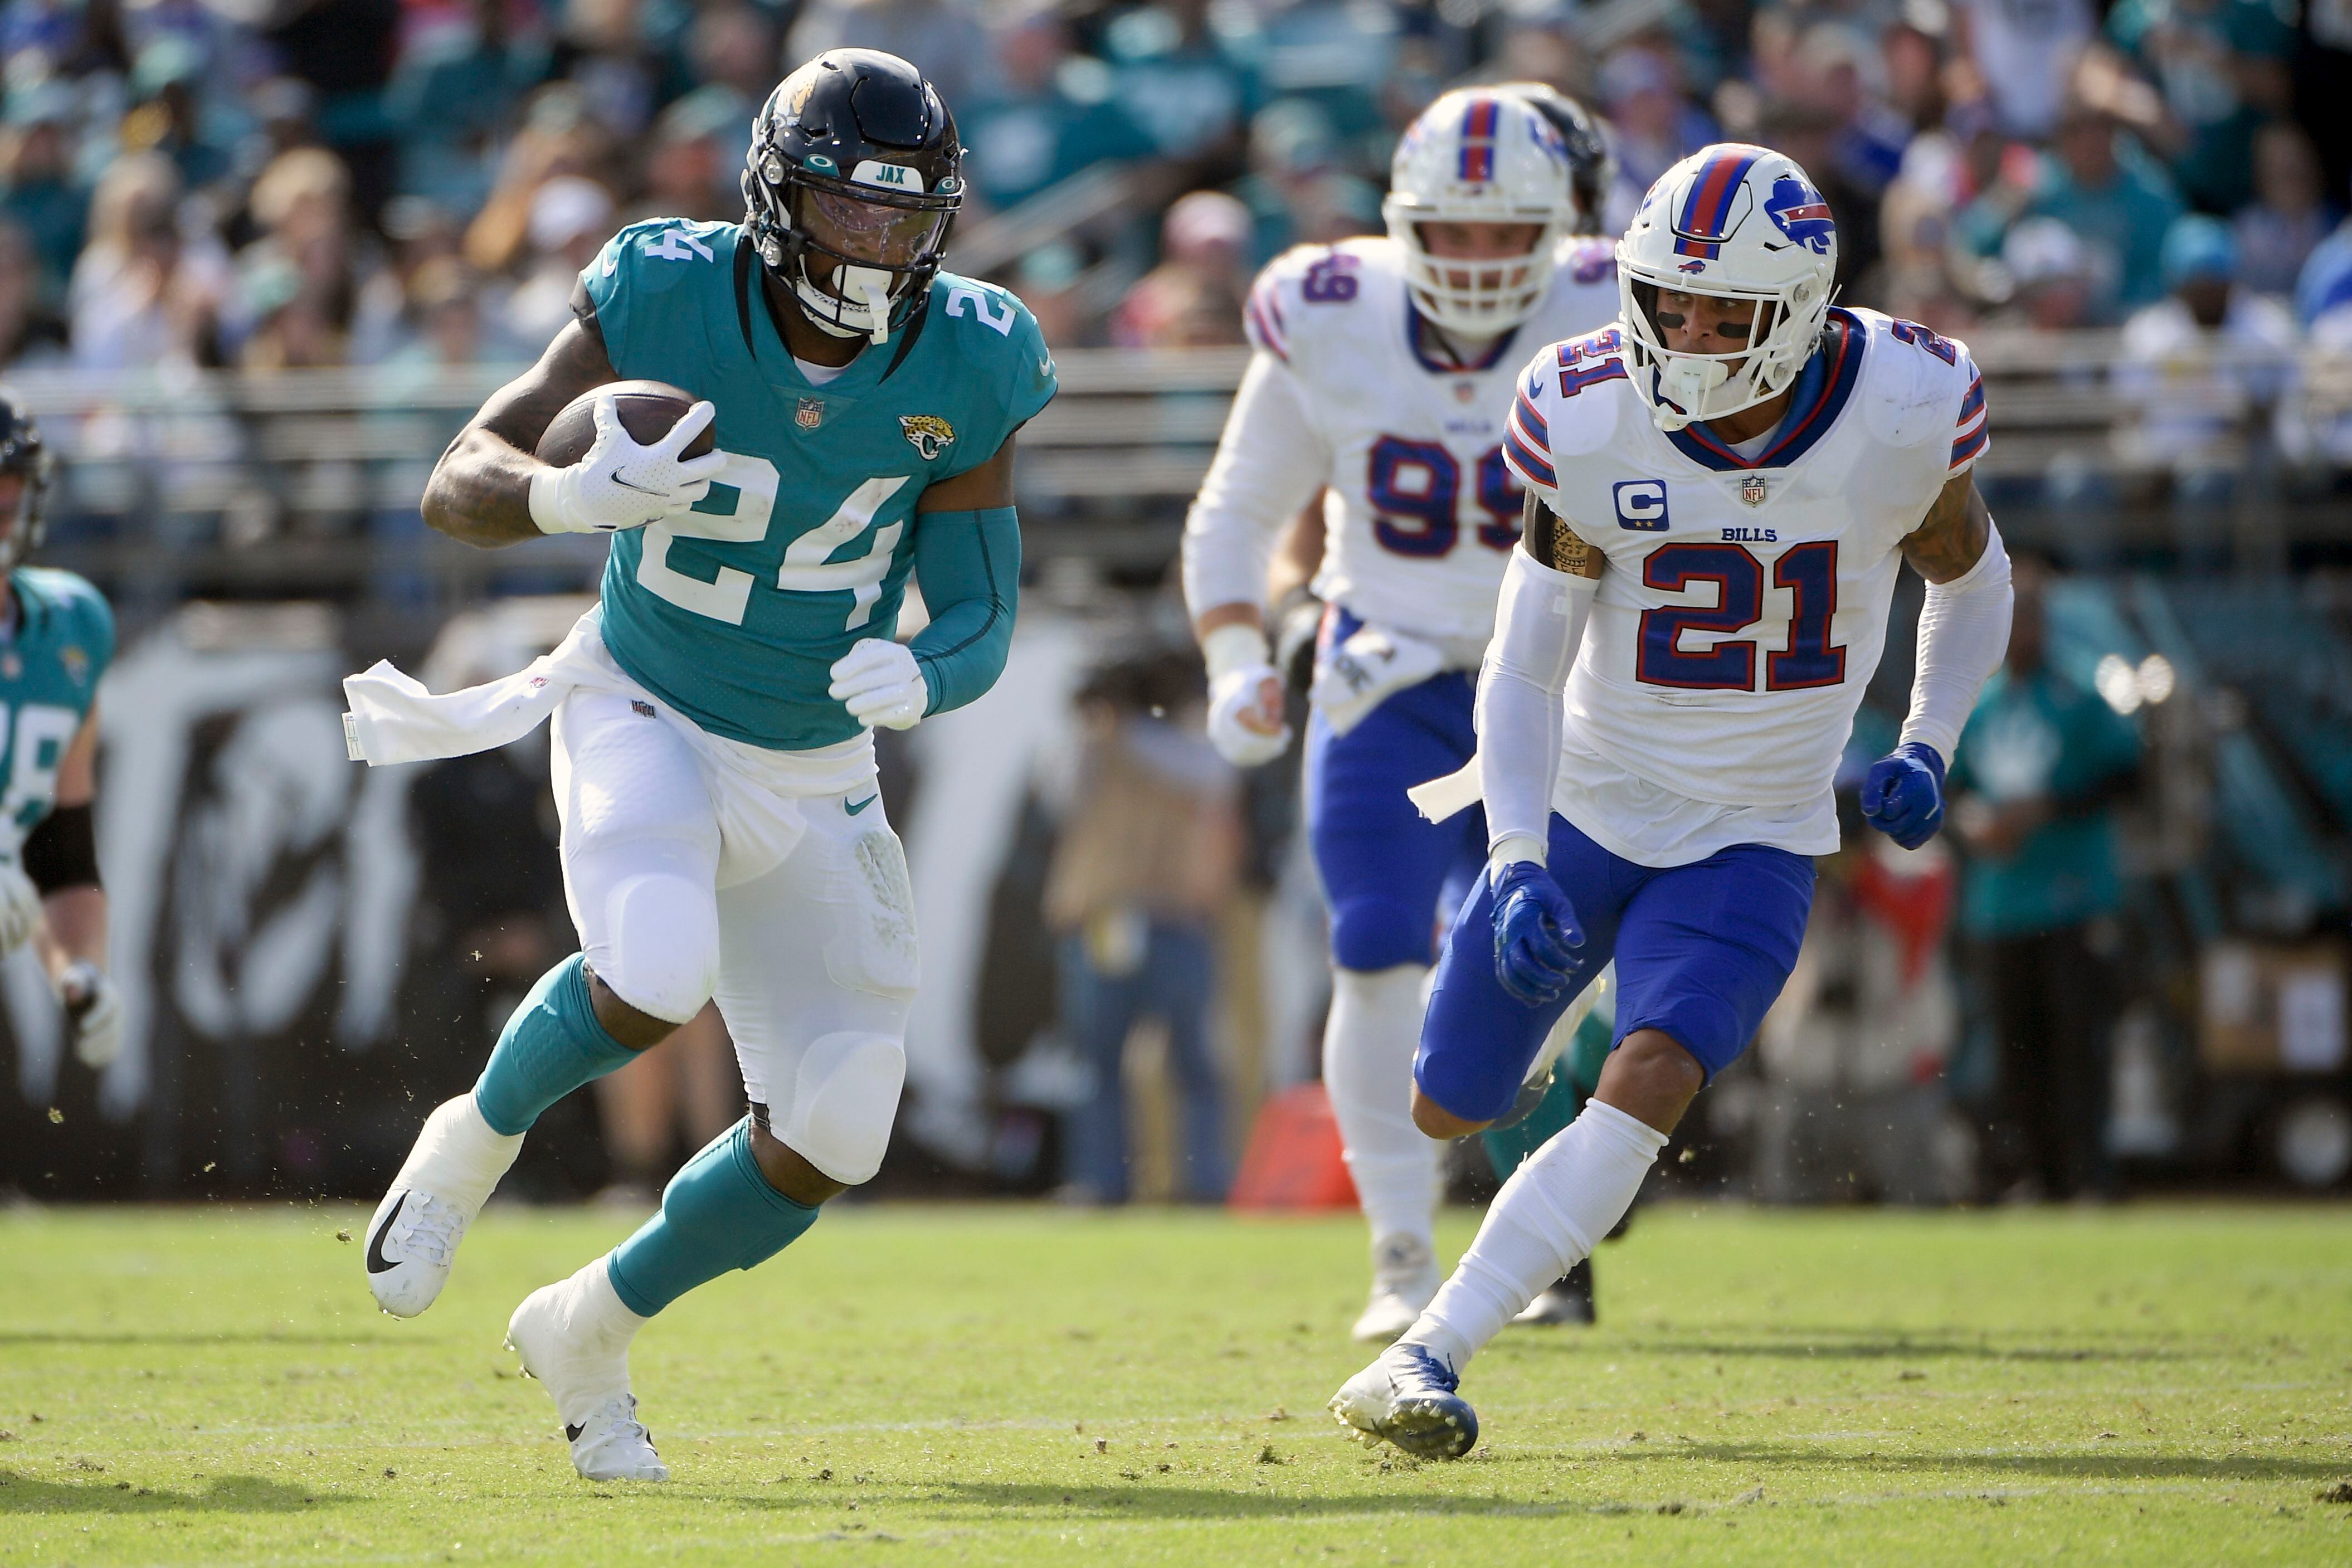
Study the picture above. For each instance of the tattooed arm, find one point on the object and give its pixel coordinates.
(480, 490)
(1952, 538)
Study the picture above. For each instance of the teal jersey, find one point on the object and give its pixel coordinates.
(48, 679)
(735, 612)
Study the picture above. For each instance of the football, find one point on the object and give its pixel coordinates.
(647, 410)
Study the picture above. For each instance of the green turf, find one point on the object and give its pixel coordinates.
(2159, 1386)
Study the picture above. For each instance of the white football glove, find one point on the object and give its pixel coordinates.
(93, 1013)
(1246, 721)
(20, 908)
(880, 684)
(620, 484)
(1354, 677)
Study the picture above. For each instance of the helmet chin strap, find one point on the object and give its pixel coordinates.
(870, 285)
(874, 283)
(1687, 383)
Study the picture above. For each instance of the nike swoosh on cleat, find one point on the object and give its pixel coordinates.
(573, 1432)
(861, 805)
(376, 1261)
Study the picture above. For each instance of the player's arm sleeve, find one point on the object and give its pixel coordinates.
(1963, 634)
(1270, 461)
(1964, 625)
(1538, 626)
(969, 564)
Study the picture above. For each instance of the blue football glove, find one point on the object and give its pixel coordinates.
(1535, 934)
(1903, 795)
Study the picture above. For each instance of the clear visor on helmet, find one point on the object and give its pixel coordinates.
(872, 233)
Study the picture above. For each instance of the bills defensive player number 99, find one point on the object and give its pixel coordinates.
(1383, 378)
(1723, 487)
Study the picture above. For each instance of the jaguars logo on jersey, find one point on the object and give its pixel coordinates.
(930, 434)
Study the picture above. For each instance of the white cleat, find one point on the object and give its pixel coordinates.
(1408, 1397)
(574, 1336)
(412, 1242)
(1404, 1278)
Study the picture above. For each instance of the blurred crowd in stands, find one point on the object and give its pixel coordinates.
(280, 182)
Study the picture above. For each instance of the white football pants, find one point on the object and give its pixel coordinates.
(691, 876)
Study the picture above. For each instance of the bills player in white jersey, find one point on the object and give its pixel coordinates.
(1383, 377)
(1722, 487)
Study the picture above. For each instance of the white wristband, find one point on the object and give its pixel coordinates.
(546, 511)
(1513, 847)
(1232, 648)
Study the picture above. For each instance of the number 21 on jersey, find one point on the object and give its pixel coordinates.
(1809, 571)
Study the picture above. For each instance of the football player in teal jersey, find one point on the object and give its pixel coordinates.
(713, 718)
(57, 637)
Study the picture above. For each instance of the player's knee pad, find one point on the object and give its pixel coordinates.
(658, 950)
(1369, 931)
(874, 949)
(844, 1099)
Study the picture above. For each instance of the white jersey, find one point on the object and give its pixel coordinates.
(1745, 601)
(1348, 392)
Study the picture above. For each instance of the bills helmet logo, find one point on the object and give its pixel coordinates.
(1802, 215)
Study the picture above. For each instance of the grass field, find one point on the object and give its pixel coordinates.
(986, 1384)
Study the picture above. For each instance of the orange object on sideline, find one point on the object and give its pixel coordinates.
(1293, 1158)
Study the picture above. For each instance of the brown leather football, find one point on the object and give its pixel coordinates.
(647, 410)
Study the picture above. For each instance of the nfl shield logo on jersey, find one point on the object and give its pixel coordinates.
(810, 414)
(1751, 489)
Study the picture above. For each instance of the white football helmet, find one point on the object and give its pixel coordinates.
(1739, 223)
(1479, 155)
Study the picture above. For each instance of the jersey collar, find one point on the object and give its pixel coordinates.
(1822, 390)
(1416, 338)
(764, 345)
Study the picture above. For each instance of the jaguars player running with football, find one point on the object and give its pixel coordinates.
(1384, 377)
(57, 637)
(713, 753)
(1722, 489)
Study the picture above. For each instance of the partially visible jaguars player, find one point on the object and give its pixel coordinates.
(1722, 489)
(57, 637)
(713, 754)
(1383, 375)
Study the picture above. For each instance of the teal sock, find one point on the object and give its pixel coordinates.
(550, 1046)
(717, 1214)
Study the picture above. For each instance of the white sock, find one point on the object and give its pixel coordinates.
(458, 1153)
(1367, 1049)
(597, 1312)
(1560, 1202)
